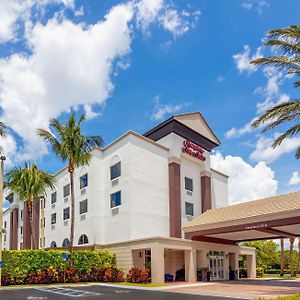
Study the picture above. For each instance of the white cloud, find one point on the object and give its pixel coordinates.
(177, 22)
(295, 179)
(70, 65)
(89, 113)
(220, 78)
(265, 152)
(242, 60)
(247, 6)
(161, 110)
(79, 12)
(259, 5)
(11, 11)
(237, 132)
(246, 182)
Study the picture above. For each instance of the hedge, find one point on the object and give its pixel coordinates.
(20, 263)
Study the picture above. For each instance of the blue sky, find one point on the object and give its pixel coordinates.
(131, 64)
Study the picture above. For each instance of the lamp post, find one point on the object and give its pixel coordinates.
(2, 158)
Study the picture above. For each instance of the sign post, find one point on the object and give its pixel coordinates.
(1, 211)
(65, 257)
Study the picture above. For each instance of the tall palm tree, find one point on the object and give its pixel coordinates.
(30, 183)
(71, 145)
(287, 43)
(292, 240)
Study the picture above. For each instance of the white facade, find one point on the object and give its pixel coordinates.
(144, 185)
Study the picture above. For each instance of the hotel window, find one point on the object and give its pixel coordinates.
(22, 214)
(189, 209)
(83, 181)
(4, 237)
(83, 206)
(5, 224)
(115, 171)
(66, 243)
(66, 213)
(53, 245)
(188, 184)
(53, 198)
(115, 199)
(21, 229)
(21, 246)
(53, 219)
(67, 190)
(83, 240)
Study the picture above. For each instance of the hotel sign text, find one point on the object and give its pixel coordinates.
(253, 227)
(193, 150)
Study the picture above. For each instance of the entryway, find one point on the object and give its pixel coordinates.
(216, 266)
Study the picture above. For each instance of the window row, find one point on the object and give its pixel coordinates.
(83, 208)
(83, 182)
(66, 242)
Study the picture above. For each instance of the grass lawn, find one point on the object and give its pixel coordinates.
(292, 297)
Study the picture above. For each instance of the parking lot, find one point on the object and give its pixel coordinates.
(95, 292)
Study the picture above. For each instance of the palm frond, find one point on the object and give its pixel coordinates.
(290, 132)
(292, 32)
(284, 46)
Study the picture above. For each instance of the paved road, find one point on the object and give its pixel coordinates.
(96, 292)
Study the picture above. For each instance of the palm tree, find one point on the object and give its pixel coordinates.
(287, 43)
(71, 146)
(30, 183)
(292, 240)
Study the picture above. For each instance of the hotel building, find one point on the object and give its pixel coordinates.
(138, 198)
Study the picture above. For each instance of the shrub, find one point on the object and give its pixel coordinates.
(39, 266)
(259, 272)
(136, 275)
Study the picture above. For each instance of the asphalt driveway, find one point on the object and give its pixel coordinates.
(96, 292)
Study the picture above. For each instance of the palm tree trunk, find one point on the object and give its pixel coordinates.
(71, 171)
(292, 240)
(281, 257)
(31, 227)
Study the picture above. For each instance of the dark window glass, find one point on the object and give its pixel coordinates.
(53, 219)
(83, 206)
(21, 229)
(53, 245)
(66, 213)
(21, 214)
(115, 171)
(115, 199)
(189, 209)
(83, 181)
(83, 240)
(53, 197)
(5, 224)
(67, 190)
(188, 184)
(66, 243)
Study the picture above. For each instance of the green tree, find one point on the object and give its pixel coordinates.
(30, 183)
(72, 146)
(286, 42)
(266, 253)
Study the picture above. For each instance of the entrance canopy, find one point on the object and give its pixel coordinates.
(269, 218)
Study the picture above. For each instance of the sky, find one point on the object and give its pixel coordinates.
(128, 65)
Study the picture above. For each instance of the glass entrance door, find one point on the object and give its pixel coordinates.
(217, 268)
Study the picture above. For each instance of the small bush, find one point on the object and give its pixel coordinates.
(136, 275)
(259, 272)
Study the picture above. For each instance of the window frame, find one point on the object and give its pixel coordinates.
(86, 183)
(185, 208)
(53, 215)
(111, 195)
(64, 210)
(186, 179)
(52, 202)
(82, 202)
(119, 169)
(69, 186)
